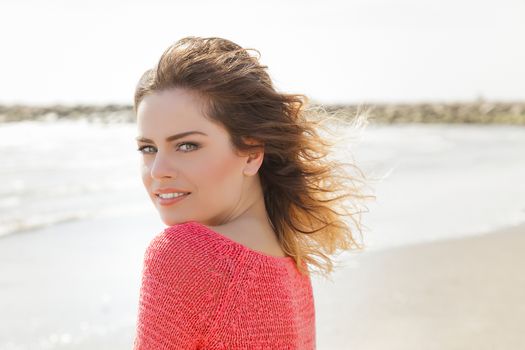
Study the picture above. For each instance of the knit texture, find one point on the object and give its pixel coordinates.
(202, 290)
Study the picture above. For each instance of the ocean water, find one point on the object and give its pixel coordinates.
(442, 181)
(68, 170)
(433, 181)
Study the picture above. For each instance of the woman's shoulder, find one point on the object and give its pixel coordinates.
(181, 262)
(190, 248)
(194, 247)
(178, 240)
(185, 282)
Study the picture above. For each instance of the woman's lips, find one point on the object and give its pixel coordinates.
(171, 201)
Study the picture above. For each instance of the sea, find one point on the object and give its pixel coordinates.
(430, 181)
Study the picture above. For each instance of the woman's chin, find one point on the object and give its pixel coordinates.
(171, 221)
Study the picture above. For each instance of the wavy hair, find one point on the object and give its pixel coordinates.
(307, 195)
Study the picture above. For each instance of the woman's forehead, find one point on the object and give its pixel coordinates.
(173, 103)
(168, 112)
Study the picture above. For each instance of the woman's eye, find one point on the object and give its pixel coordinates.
(141, 149)
(188, 143)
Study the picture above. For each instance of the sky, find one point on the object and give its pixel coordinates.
(93, 52)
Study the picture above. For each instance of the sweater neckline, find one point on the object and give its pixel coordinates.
(261, 255)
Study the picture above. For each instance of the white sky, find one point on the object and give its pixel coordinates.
(333, 51)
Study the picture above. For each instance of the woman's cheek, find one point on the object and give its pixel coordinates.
(219, 175)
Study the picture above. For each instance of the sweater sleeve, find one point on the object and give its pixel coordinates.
(181, 290)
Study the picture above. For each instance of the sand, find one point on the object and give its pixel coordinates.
(75, 286)
(457, 294)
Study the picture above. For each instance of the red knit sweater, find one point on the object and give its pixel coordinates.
(202, 290)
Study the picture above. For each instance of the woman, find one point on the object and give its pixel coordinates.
(240, 176)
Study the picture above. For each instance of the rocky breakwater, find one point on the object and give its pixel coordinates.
(104, 114)
(480, 111)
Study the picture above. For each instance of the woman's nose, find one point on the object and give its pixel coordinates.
(162, 167)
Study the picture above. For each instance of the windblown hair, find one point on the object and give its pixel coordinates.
(306, 194)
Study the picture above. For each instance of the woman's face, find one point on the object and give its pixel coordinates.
(202, 163)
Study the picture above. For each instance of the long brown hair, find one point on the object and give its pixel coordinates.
(306, 194)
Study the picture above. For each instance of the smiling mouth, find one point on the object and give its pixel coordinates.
(171, 201)
(171, 197)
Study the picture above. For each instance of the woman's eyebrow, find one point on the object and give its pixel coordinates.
(172, 137)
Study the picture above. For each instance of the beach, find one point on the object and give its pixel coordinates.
(76, 287)
(442, 268)
(456, 294)
(426, 105)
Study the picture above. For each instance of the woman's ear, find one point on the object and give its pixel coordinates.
(255, 157)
